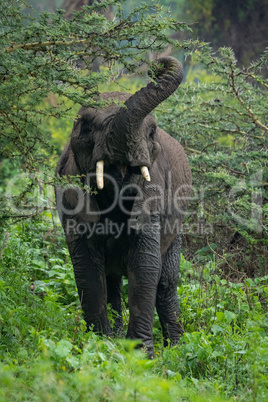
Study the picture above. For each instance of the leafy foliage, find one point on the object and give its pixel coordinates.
(51, 54)
(220, 117)
(239, 25)
(46, 353)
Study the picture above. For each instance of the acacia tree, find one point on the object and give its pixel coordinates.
(221, 119)
(54, 54)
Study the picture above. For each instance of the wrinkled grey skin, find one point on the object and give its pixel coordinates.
(147, 250)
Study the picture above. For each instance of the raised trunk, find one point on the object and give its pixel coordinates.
(168, 74)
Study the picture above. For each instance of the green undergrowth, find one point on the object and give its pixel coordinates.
(46, 354)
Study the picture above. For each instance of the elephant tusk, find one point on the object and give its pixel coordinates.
(145, 173)
(99, 174)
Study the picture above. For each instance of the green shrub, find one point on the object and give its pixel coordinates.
(46, 354)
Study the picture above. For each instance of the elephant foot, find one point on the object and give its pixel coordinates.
(172, 333)
(100, 326)
(145, 346)
(148, 348)
(118, 331)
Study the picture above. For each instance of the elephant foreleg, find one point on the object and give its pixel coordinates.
(114, 289)
(167, 304)
(143, 275)
(90, 279)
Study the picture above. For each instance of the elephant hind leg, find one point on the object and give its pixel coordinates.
(114, 290)
(167, 303)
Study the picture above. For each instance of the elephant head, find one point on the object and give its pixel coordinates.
(124, 135)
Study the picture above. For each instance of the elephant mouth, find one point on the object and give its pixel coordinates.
(123, 173)
(123, 169)
(120, 171)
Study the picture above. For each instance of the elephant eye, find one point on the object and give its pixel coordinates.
(152, 133)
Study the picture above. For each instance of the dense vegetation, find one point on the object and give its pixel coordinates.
(46, 354)
(219, 114)
(220, 118)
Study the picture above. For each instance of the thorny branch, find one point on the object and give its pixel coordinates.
(241, 101)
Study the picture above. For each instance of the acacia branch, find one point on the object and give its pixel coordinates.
(255, 77)
(240, 100)
(70, 42)
(194, 151)
(209, 145)
(41, 45)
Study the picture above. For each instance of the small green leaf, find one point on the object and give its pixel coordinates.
(216, 329)
(219, 315)
(63, 348)
(229, 315)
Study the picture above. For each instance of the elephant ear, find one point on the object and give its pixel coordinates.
(72, 201)
(76, 204)
(81, 143)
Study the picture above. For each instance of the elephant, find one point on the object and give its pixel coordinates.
(124, 215)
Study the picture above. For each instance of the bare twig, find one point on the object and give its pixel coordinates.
(195, 151)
